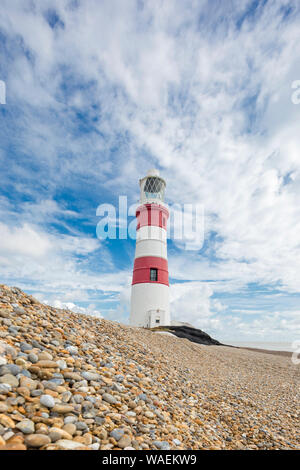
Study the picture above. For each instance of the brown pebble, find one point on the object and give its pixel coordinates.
(37, 440)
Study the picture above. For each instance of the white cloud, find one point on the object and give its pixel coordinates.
(23, 240)
(192, 302)
(49, 262)
(76, 308)
(207, 102)
(30, 241)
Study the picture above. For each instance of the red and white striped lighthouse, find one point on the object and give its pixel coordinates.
(150, 282)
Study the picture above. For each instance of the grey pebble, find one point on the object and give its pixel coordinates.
(26, 426)
(10, 369)
(90, 376)
(109, 398)
(177, 442)
(162, 445)
(72, 349)
(81, 426)
(47, 400)
(5, 388)
(117, 434)
(25, 346)
(33, 358)
(70, 419)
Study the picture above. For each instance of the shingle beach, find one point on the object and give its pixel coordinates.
(72, 381)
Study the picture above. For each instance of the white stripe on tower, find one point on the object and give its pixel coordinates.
(155, 245)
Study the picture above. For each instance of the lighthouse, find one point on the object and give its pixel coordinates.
(150, 281)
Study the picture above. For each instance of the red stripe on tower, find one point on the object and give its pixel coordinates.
(142, 267)
(152, 214)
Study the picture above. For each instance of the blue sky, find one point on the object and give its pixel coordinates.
(99, 92)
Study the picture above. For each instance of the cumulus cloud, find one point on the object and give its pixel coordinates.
(90, 310)
(38, 258)
(23, 240)
(98, 93)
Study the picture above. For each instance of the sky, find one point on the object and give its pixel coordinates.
(99, 92)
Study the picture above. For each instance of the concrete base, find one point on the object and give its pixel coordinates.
(149, 305)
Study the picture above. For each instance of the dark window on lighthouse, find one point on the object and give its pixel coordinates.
(153, 274)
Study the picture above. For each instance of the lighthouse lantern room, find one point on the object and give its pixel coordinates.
(150, 282)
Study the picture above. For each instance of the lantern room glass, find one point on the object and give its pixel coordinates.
(154, 188)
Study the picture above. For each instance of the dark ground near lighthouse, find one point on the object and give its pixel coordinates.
(192, 334)
(198, 336)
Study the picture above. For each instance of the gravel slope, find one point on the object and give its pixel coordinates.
(70, 381)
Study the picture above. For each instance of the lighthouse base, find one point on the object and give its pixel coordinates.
(149, 305)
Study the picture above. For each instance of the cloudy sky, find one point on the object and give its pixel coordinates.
(99, 92)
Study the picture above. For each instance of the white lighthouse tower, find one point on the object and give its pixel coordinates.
(150, 282)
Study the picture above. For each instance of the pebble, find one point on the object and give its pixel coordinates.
(12, 369)
(46, 364)
(18, 309)
(125, 441)
(118, 388)
(109, 398)
(81, 426)
(61, 364)
(6, 421)
(119, 378)
(177, 442)
(70, 428)
(8, 435)
(72, 350)
(28, 382)
(33, 358)
(45, 356)
(25, 373)
(67, 444)
(70, 419)
(90, 376)
(66, 396)
(5, 389)
(63, 409)
(117, 433)
(10, 380)
(72, 376)
(37, 440)
(4, 313)
(95, 446)
(57, 433)
(20, 361)
(26, 426)
(25, 347)
(162, 445)
(142, 396)
(47, 401)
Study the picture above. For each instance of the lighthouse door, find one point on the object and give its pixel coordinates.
(155, 318)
